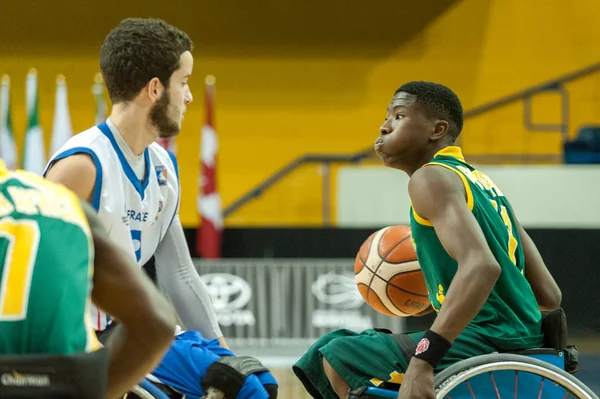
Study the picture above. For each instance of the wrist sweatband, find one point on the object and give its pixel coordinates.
(432, 348)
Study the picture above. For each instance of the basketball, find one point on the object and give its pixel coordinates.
(388, 275)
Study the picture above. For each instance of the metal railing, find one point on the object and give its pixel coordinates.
(554, 85)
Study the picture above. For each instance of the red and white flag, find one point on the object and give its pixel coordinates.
(208, 237)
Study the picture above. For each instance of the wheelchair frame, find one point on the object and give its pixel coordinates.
(146, 390)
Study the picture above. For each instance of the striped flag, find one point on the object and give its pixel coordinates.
(208, 238)
(62, 130)
(34, 153)
(8, 147)
(98, 91)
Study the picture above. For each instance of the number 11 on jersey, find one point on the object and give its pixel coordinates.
(19, 240)
(512, 241)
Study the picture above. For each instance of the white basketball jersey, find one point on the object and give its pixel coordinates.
(136, 214)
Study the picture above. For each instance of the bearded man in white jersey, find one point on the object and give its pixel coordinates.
(130, 180)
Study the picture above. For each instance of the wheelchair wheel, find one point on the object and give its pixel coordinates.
(508, 375)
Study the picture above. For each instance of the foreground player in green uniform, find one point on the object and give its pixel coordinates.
(55, 258)
(485, 277)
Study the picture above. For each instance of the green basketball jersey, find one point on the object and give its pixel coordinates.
(510, 318)
(46, 257)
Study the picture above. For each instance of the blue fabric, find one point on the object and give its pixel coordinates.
(185, 365)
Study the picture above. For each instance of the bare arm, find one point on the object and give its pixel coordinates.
(77, 172)
(179, 278)
(545, 289)
(438, 194)
(147, 324)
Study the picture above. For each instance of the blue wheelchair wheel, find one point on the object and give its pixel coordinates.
(508, 375)
(502, 375)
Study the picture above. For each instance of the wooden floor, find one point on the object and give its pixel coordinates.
(289, 386)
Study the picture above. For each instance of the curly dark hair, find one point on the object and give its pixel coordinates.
(439, 102)
(138, 50)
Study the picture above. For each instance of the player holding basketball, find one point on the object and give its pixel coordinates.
(129, 179)
(55, 259)
(485, 276)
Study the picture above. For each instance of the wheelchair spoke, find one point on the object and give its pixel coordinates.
(541, 388)
(495, 386)
(516, 383)
(470, 389)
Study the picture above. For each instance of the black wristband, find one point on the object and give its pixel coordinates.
(432, 348)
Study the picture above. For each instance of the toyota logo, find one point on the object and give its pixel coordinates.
(228, 292)
(338, 290)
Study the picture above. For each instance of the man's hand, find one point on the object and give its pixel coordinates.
(418, 381)
(223, 343)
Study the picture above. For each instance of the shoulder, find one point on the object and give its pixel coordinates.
(164, 156)
(433, 188)
(159, 151)
(80, 164)
(77, 172)
(434, 180)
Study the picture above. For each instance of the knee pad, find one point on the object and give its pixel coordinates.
(229, 373)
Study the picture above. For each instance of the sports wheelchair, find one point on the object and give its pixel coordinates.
(51, 376)
(75, 376)
(538, 373)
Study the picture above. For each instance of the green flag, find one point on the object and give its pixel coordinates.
(34, 152)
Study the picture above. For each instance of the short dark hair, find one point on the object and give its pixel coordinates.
(138, 50)
(439, 102)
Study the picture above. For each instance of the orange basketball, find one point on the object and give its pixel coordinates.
(388, 275)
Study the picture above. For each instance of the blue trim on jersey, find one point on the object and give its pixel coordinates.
(90, 152)
(139, 187)
(174, 160)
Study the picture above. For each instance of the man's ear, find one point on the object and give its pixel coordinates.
(440, 129)
(154, 89)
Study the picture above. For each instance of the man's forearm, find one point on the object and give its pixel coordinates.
(186, 290)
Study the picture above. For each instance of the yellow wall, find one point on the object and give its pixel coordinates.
(483, 50)
(274, 107)
(486, 50)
